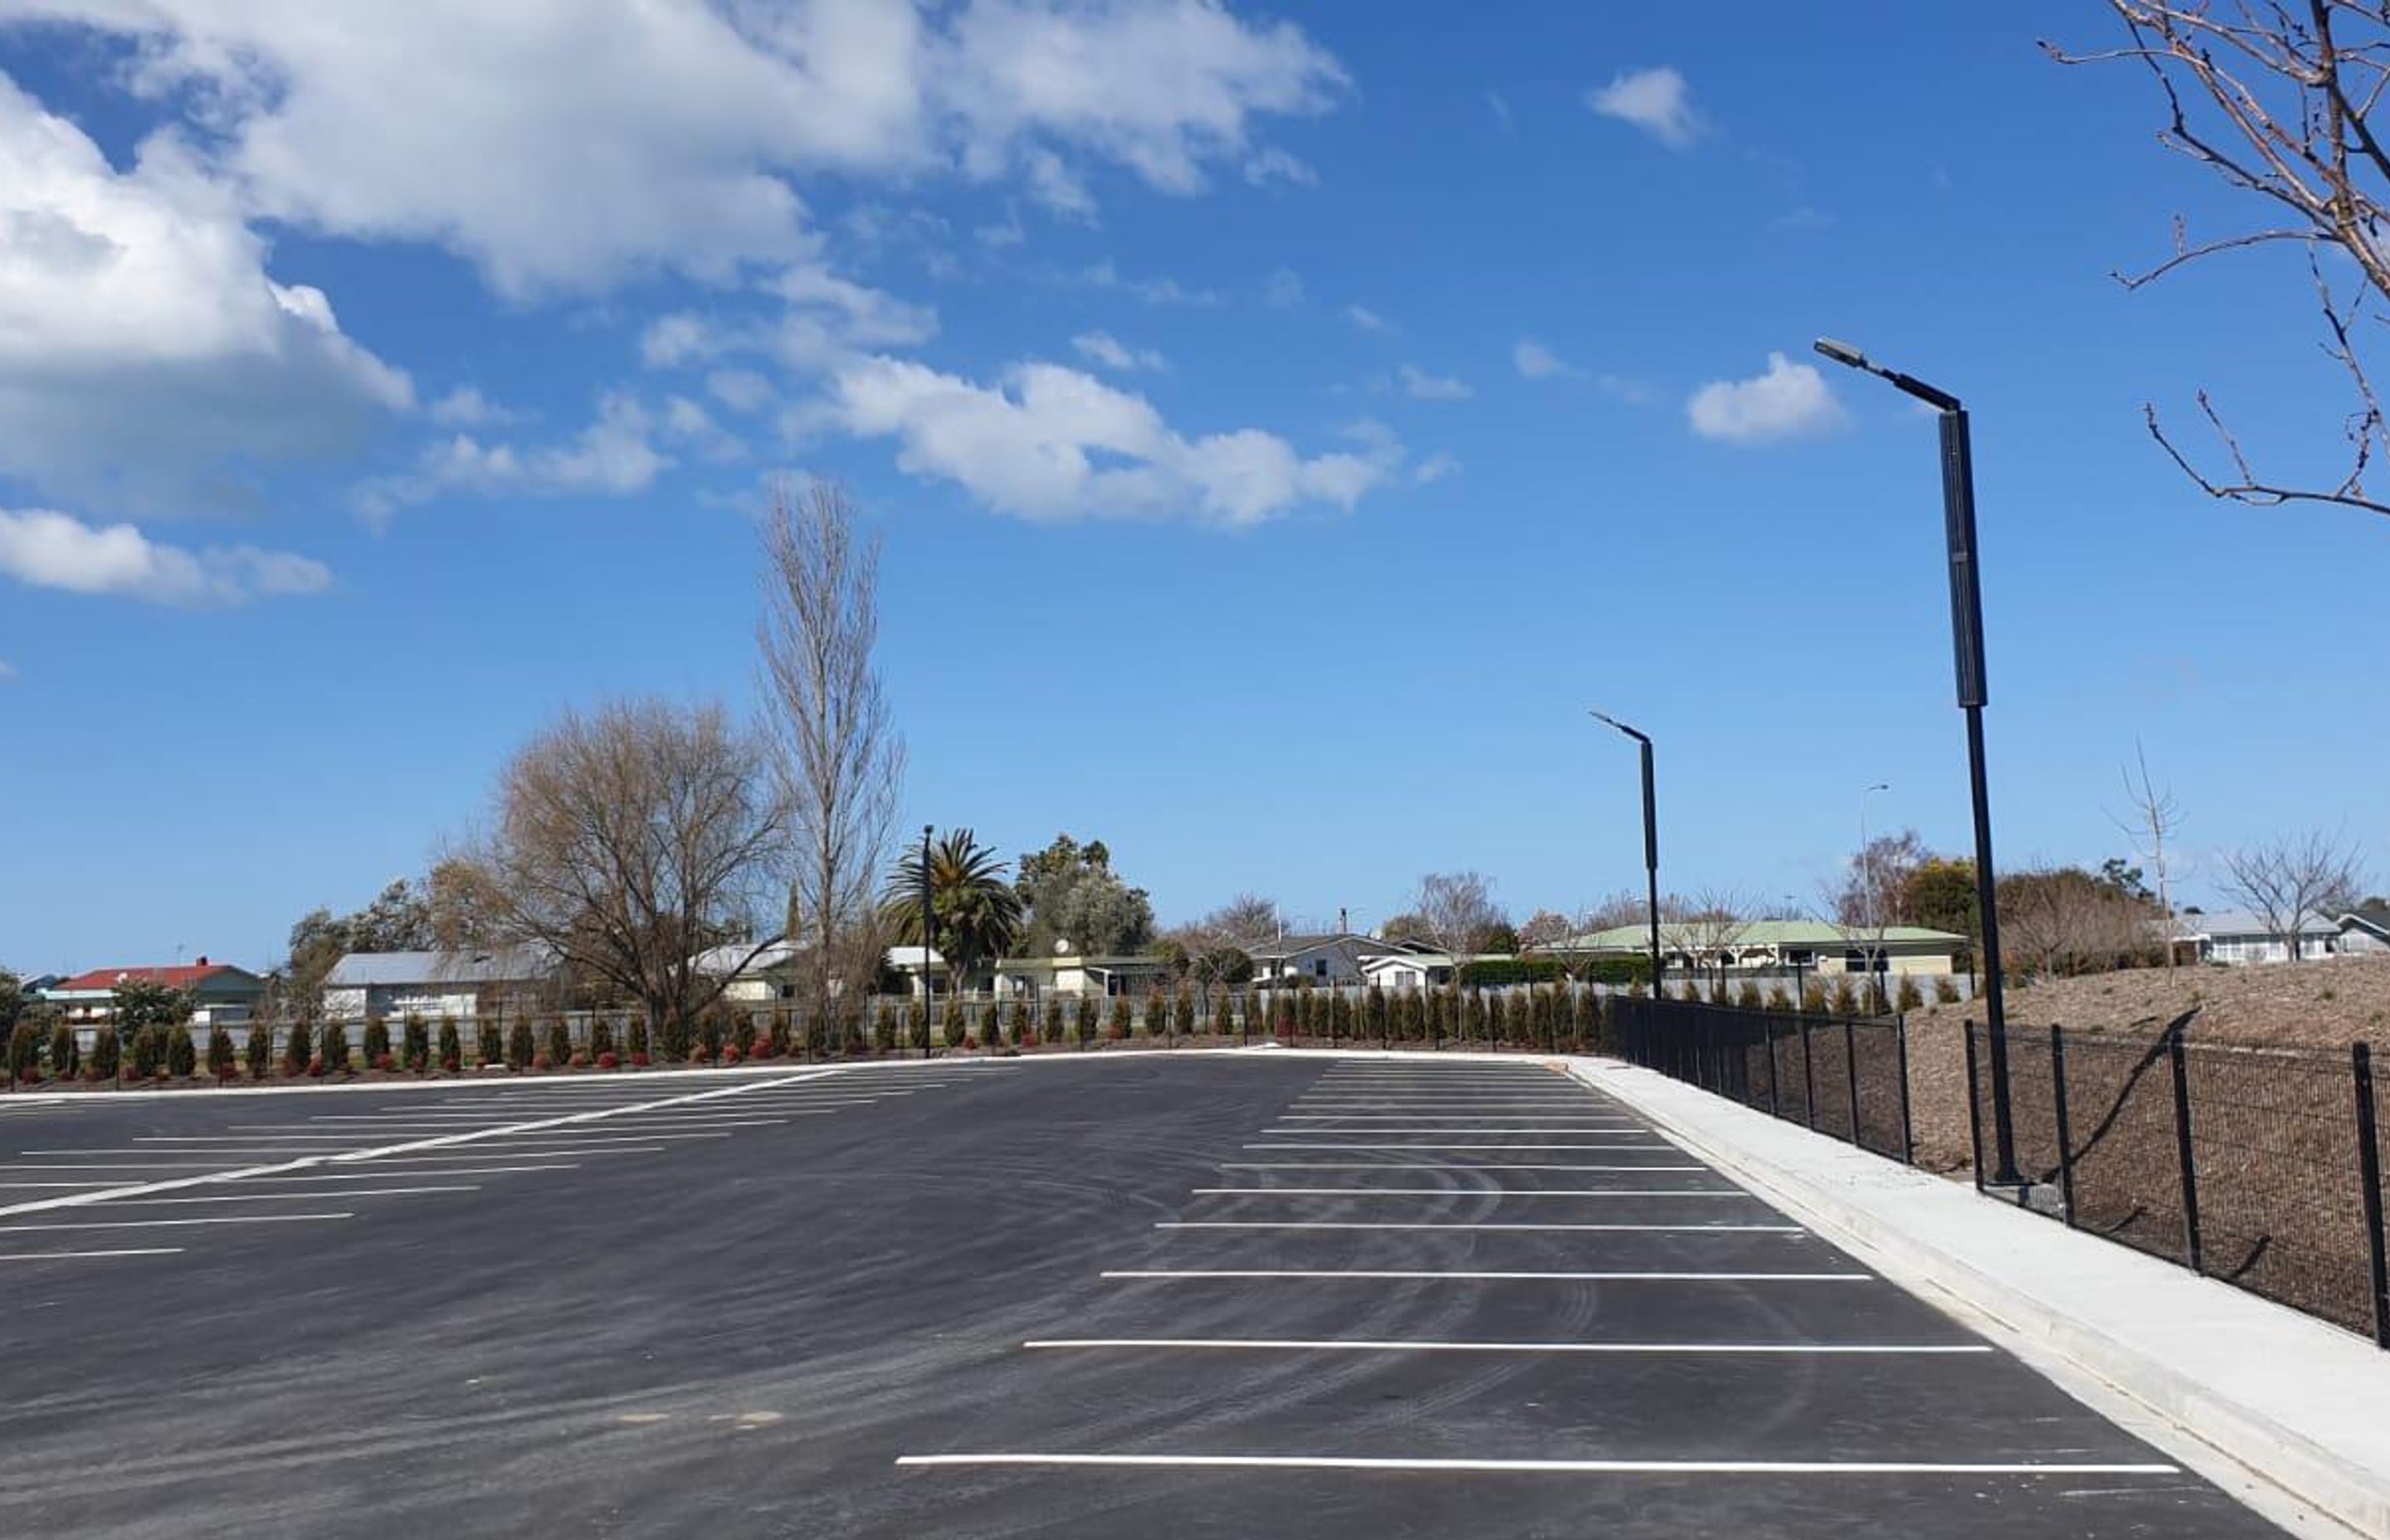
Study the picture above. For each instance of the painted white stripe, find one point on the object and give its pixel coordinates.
(22, 1187)
(344, 1195)
(1434, 1225)
(1166, 1275)
(1457, 1128)
(1648, 1144)
(303, 1140)
(1504, 1193)
(1557, 1468)
(1342, 1344)
(380, 1173)
(78, 1256)
(1407, 1165)
(156, 1224)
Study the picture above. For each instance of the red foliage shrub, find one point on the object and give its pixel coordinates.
(452, 1065)
(316, 1066)
(730, 1053)
(385, 1063)
(580, 1060)
(640, 1061)
(541, 1061)
(607, 1061)
(970, 1042)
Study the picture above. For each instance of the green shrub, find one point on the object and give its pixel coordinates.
(1496, 972)
(105, 1055)
(636, 1037)
(1019, 1021)
(990, 1028)
(519, 1047)
(956, 1026)
(415, 1044)
(1908, 997)
(1595, 1026)
(560, 1042)
(742, 1032)
(25, 1050)
(1118, 1028)
(1946, 990)
(182, 1054)
(1224, 1015)
(377, 1041)
(298, 1048)
(601, 1036)
(1083, 1020)
(1845, 1000)
(452, 1045)
(1182, 1012)
(672, 1038)
(917, 1020)
(884, 1027)
(148, 1052)
(1376, 1022)
(64, 1057)
(489, 1041)
(335, 1051)
(1157, 1014)
(258, 1052)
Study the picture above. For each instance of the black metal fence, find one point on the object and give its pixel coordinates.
(1843, 1076)
(2258, 1166)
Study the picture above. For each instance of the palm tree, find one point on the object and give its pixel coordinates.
(976, 910)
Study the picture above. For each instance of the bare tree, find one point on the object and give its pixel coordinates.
(2155, 818)
(835, 752)
(1455, 911)
(632, 841)
(2275, 97)
(2293, 880)
(2066, 920)
(1708, 929)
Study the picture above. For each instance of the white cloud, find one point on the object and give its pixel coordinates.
(1435, 468)
(1152, 290)
(1501, 106)
(143, 347)
(1102, 347)
(1368, 319)
(1057, 187)
(465, 406)
(565, 143)
(1789, 401)
(1052, 443)
(1535, 361)
(821, 320)
(1419, 385)
(8, 672)
(741, 390)
(1275, 165)
(1284, 289)
(1653, 100)
(619, 452)
(47, 549)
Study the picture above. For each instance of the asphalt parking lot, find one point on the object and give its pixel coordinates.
(1169, 1294)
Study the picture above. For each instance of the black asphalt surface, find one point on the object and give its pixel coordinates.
(669, 1333)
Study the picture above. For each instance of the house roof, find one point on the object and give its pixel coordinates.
(181, 976)
(742, 956)
(2236, 922)
(1075, 960)
(1290, 947)
(500, 965)
(2371, 917)
(1759, 933)
(910, 957)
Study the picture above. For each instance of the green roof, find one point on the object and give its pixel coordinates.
(1758, 932)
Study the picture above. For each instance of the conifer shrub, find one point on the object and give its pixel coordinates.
(257, 1054)
(521, 1049)
(673, 1039)
(377, 1040)
(334, 1049)
(65, 1055)
(1748, 996)
(25, 1051)
(298, 1048)
(106, 1054)
(452, 1045)
(742, 1032)
(1083, 1020)
(1024, 1034)
(956, 1026)
(559, 1041)
(1946, 990)
(489, 1041)
(182, 1054)
(917, 1022)
(1845, 1000)
(1182, 1012)
(601, 1037)
(635, 1038)
(1906, 997)
(1157, 1014)
(1117, 1029)
(415, 1044)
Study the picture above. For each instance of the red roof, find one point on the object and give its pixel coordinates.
(183, 977)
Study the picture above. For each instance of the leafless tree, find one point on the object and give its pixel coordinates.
(2276, 97)
(631, 842)
(2293, 879)
(1708, 929)
(2066, 920)
(1245, 922)
(2154, 818)
(838, 761)
(1455, 911)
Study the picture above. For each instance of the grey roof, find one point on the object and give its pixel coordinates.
(1288, 946)
(501, 965)
(2236, 922)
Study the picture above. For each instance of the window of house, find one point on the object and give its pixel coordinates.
(1319, 967)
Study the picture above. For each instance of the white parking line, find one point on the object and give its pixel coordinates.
(1172, 1275)
(157, 1224)
(344, 1195)
(1457, 1128)
(1561, 1468)
(1455, 1224)
(1505, 1193)
(1340, 1344)
(378, 1172)
(1406, 1165)
(78, 1256)
(1648, 1144)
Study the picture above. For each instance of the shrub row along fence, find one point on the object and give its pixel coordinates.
(2258, 1166)
(1840, 1075)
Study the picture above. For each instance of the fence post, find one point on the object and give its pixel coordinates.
(1809, 1077)
(2369, 1164)
(1974, 1111)
(1851, 1074)
(2182, 1149)
(2065, 1131)
(1907, 1129)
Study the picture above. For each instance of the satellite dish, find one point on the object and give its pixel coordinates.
(1061, 946)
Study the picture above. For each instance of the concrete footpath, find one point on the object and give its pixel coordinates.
(2288, 1414)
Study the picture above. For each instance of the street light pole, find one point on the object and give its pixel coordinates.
(929, 925)
(1867, 890)
(1650, 841)
(1967, 647)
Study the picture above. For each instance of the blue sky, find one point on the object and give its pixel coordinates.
(1281, 425)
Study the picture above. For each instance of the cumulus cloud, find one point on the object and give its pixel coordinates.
(1102, 347)
(1158, 290)
(1419, 385)
(1435, 468)
(1789, 401)
(143, 347)
(1052, 443)
(621, 452)
(465, 406)
(1535, 361)
(1657, 101)
(741, 390)
(47, 549)
(670, 138)
(1275, 165)
(1368, 319)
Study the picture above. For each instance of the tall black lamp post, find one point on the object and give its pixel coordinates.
(1650, 839)
(1967, 645)
(928, 924)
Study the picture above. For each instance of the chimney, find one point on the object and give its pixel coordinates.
(203, 960)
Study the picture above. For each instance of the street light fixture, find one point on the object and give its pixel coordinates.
(929, 923)
(1650, 838)
(1867, 891)
(1967, 647)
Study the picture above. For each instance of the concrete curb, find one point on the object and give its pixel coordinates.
(2240, 1445)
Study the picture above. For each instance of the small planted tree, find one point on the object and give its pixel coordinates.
(1747, 996)
(376, 1042)
(298, 1049)
(1024, 1034)
(742, 1032)
(1845, 1000)
(415, 1044)
(709, 1037)
(183, 1055)
(1946, 990)
(25, 1051)
(105, 1056)
(64, 1057)
(1157, 1014)
(489, 1041)
(636, 1039)
(917, 1022)
(1118, 1028)
(956, 1025)
(1083, 1020)
(1182, 1012)
(452, 1045)
(520, 1048)
(559, 1041)
(1906, 998)
(990, 1028)
(258, 1052)
(1375, 1024)
(601, 1036)
(335, 1047)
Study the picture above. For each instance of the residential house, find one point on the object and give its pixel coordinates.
(2236, 939)
(1074, 974)
(221, 994)
(1396, 972)
(1334, 959)
(923, 968)
(1780, 946)
(2365, 930)
(758, 977)
(461, 984)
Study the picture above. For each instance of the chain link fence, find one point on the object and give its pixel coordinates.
(1843, 1076)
